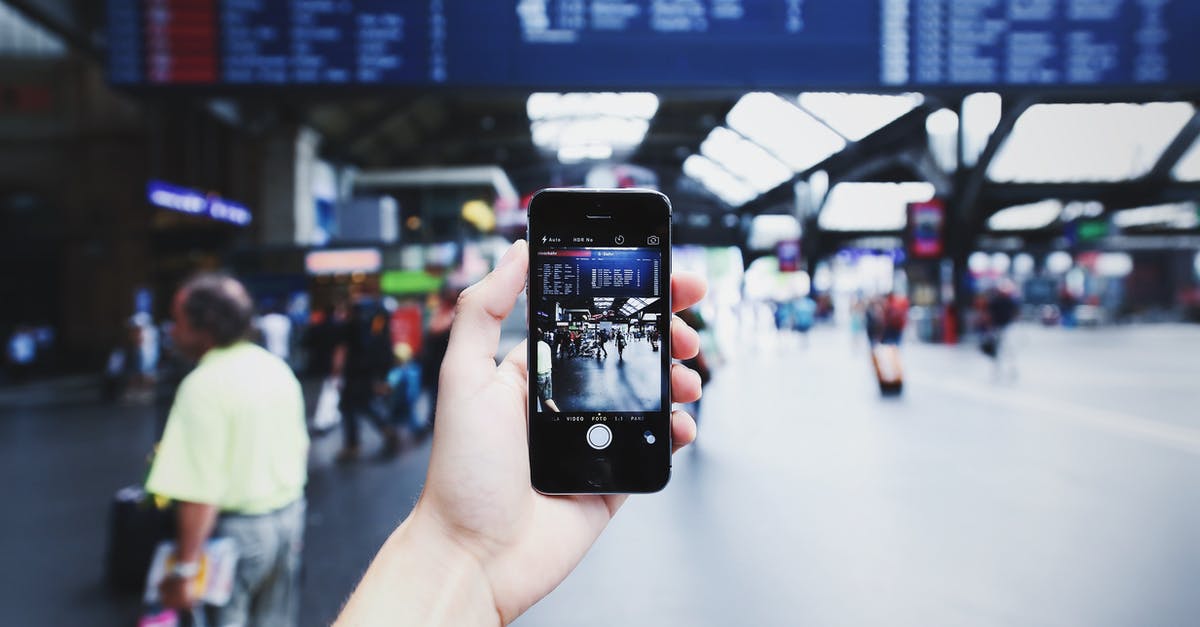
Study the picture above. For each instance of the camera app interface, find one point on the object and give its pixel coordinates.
(598, 323)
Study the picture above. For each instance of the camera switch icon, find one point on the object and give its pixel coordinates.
(652, 240)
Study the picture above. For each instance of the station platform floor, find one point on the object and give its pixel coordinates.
(1066, 495)
(628, 380)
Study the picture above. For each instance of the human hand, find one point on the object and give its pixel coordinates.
(175, 592)
(500, 545)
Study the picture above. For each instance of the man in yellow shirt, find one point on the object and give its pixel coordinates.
(234, 456)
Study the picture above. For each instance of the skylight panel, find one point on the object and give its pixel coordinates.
(1188, 168)
(586, 126)
(856, 116)
(786, 131)
(871, 206)
(1053, 143)
(744, 158)
(718, 180)
(1026, 217)
(1181, 215)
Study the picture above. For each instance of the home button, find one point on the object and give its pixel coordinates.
(599, 436)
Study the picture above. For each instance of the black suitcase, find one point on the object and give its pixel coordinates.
(136, 526)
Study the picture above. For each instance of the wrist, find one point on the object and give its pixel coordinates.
(422, 577)
(185, 570)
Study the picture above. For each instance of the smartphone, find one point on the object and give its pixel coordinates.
(599, 341)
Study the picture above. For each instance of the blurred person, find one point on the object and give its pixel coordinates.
(621, 341)
(873, 317)
(895, 318)
(1000, 309)
(404, 380)
(364, 358)
(321, 338)
(122, 365)
(601, 340)
(804, 315)
(545, 375)
(858, 319)
(149, 347)
(481, 546)
(233, 457)
(276, 329)
(433, 349)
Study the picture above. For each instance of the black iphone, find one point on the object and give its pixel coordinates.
(599, 341)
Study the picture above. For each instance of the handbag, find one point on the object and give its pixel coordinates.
(327, 415)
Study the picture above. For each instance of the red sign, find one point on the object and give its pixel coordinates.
(406, 327)
(926, 222)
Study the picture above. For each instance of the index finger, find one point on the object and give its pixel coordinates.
(687, 289)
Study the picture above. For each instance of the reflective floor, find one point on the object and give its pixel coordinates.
(1060, 491)
(620, 381)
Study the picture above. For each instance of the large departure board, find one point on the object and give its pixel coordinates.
(655, 44)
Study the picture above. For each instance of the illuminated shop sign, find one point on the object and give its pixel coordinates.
(197, 203)
(343, 261)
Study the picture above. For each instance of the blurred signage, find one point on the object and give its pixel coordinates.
(197, 203)
(405, 326)
(926, 222)
(408, 282)
(343, 261)
(654, 43)
(1091, 230)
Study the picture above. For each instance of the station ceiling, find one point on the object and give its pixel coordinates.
(406, 129)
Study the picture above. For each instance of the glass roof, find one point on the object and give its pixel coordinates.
(980, 117)
(786, 131)
(746, 159)
(871, 206)
(1053, 143)
(1026, 217)
(718, 180)
(544, 106)
(21, 37)
(589, 126)
(856, 116)
(1188, 168)
(1183, 215)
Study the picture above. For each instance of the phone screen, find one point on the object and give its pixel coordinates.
(599, 326)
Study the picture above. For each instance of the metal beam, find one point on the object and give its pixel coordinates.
(964, 208)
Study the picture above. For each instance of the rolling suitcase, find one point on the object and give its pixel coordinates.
(888, 369)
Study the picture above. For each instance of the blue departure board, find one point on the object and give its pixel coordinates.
(655, 44)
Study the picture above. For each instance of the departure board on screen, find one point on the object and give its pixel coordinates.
(654, 44)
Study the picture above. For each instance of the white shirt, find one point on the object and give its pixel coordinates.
(543, 358)
(276, 330)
